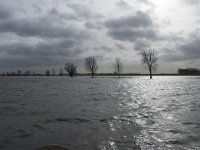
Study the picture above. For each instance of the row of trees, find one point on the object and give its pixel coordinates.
(149, 59)
(29, 73)
(90, 66)
(53, 72)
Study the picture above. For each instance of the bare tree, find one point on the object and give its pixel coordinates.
(118, 67)
(70, 68)
(13, 74)
(91, 65)
(27, 73)
(47, 72)
(19, 72)
(53, 72)
(61, 72)
(149, 59)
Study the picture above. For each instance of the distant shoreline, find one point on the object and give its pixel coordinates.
(104, 74)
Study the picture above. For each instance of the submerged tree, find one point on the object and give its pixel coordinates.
(149, 59)
(61, 72)
(47, 72)
(19, 72)
(70, 68)
(53, 72)
(118, 67)
(27, 73)
(91, 65)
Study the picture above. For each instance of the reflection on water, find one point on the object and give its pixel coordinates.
(104, 113)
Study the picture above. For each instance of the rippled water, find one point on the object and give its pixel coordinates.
(105, 113)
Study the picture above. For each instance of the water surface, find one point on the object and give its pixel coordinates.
(105, 113)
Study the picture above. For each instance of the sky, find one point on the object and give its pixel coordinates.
(45, 34)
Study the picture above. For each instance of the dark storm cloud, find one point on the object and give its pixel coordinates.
(140, 19)
(21, 61)
(59, 32)
(81, 10)
(39, 54)
(93, 25)
(191, 50)
(188, 51)
(4, 13)
(132, 34)
(37, 9)
(45, 49)
(62, 15)
(52, 24)
(38, 27)
(130, 28)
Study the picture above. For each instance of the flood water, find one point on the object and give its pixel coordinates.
(104, 113)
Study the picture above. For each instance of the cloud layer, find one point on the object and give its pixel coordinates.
(43, 35)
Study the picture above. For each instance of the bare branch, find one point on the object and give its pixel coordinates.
(149, 59)
(91, 65)
(118, 67)
(70, 68)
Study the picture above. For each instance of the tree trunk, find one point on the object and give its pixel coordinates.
(92, 73)
(150, 73)
(71, 74)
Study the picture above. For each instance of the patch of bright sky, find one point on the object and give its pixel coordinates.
(178, 17)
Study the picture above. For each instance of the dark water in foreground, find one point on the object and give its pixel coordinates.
(104, 113)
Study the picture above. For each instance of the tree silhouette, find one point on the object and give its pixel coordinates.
(27, 73)
(118, 67)
(70, 68)
(91, 65)
(61, 72)
(149, 59)
(19, 72)
(53, 72)
(47, 72)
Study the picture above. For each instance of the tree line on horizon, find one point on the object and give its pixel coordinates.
(148, 58)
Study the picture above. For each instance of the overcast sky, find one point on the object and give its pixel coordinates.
(43, 34)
